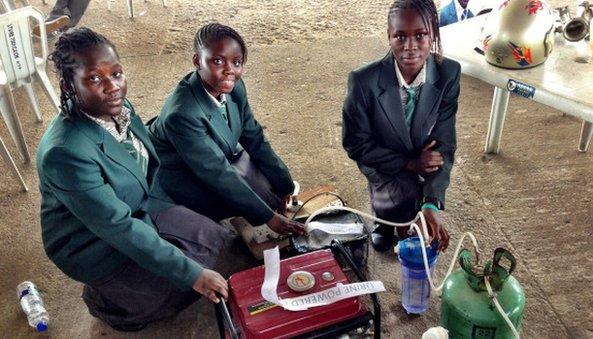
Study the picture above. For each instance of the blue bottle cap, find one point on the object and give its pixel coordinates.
(41, 327)
(410, 252)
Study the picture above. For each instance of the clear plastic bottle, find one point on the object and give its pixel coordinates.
(32, 305)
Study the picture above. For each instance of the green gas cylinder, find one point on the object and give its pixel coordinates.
(467, 311)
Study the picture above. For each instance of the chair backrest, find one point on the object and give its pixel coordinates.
(16, 46)
(10, 5)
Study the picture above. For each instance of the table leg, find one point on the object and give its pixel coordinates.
(500, 102)
(586, 134)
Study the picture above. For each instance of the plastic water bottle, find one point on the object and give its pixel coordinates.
(436, 333)
(415, 285)
(32, 305)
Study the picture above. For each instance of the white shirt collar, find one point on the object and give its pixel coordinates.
(118, 126)
(218, 103)
(419, 80)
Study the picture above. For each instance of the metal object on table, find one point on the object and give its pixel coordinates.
(577, 28)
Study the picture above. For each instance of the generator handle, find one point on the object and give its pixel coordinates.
(223, 310)
(337, 244)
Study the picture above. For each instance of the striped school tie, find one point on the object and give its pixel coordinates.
(464, 14)
(410, 103)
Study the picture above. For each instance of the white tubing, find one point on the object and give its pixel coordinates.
(422, 235)
(499, 307)
(424, 238)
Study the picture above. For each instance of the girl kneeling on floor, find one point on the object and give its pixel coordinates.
(141, 259)
(399, 122)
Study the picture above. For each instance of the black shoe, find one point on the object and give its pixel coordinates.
(382, 238)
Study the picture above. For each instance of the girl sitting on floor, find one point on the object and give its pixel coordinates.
(141, 259)
(216, 159)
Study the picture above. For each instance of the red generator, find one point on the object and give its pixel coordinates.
(248, 315)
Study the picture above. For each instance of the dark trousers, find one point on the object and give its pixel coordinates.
(396, 200)
(72, 8)
(131, 297)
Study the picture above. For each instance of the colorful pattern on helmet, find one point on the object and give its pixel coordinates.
(521, 54)
(504, 4)
(486, 41)
(534, 6)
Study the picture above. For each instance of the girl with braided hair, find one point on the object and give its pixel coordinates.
(399, 122)
(140, 259)
(216, 159)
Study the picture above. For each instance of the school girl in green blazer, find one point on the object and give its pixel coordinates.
(101, 223)
(215, 157)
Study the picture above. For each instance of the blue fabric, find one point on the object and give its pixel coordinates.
(448, 14)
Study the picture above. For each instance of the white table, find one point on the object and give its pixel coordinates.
(560, 82)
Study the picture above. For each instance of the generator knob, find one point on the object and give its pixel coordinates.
(300, 281)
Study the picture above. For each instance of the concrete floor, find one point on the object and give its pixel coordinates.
(533, 198)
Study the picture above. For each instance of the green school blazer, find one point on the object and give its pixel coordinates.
(95, 205)
(196, 147)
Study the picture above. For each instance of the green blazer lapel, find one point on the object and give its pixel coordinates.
(91, 129)
(234, 120)
(120, 155)
(221, 128)
(390, 101)
(140, 131)
(427, 102)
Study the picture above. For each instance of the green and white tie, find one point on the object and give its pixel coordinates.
(410, 104)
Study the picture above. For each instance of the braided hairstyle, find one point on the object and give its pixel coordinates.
(65, 60)
(428, 11)
(214, 32)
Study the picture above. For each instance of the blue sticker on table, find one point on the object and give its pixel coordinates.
(520, 88)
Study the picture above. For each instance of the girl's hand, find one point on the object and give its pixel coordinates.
(436, 228)
(283, 203)
(428, 162)
(282, 225)
(209, 283)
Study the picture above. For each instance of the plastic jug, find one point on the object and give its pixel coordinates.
(415, 285)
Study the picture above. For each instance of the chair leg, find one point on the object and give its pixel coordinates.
(8, 159)
(11, 119)
(164, 3)
(48, 88)
(586, 134)
(130, 8)
(33, 100)
(109, 5)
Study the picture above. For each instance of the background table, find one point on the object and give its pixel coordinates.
(560, 82)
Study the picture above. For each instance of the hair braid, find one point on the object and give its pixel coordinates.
(428, 11)
(65, 62)
(213, 32)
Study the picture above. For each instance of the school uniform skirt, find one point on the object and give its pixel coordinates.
(132, 297)
(397, 199)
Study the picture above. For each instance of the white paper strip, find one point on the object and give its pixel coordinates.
(351, 228)
(271, 275)
(325, 297)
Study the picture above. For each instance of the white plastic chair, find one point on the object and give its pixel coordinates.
(131, 6)
(9, 5)
(20, 67)
(8, 159)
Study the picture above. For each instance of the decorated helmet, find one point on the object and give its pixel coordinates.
(518, 34)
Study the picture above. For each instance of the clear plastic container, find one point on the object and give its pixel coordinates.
(32, 305)
(415, 285)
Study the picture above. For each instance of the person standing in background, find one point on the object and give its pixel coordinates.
(65, 14)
